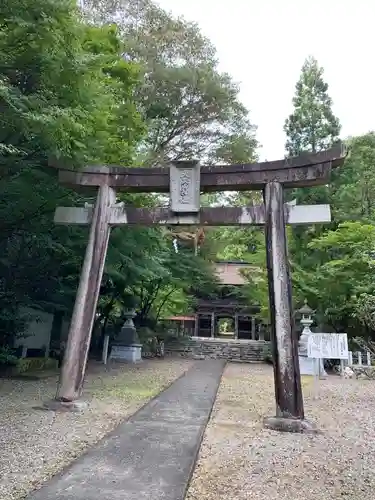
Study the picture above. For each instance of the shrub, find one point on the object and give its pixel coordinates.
(267, 355)
(36, 364)
(7, 358)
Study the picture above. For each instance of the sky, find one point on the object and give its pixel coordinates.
(263, 44)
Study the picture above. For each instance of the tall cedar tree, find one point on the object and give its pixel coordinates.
(312, 126)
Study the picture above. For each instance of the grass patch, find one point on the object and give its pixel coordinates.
(125, 392)
(37, 375)
(32, 365)
(128, 386)
(307, 380)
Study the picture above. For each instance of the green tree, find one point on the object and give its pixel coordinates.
(65, 96)
(333, 265)
(343, 273)
(144, 272)
(312, 126)
(86, 100)
(352, 189)
(55, 98)
(190, 107)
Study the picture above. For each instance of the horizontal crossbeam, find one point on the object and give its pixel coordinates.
(301, 171)
(216, 216)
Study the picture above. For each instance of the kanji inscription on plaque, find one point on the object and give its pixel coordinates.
(185, 187)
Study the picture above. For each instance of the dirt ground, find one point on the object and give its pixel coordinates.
(36, 444)
(239, 459)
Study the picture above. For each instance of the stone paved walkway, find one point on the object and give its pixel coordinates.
(151, 456)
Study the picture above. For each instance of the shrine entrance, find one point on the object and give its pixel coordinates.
(238, 322)
(185, 180)
(225, 327)
(229, 307)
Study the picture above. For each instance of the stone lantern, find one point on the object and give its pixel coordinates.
(308, 366)
(126, 346)
(306, 321)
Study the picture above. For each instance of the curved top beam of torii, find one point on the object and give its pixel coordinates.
(305, 170)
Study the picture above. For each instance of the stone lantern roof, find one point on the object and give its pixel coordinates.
(306, 309)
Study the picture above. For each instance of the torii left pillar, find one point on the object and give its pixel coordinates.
(77, 348)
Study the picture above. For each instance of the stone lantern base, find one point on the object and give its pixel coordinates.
(126, 346)
(127, 353)
(308, 366)
(284, 424)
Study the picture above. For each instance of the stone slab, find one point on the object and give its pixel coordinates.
(64, 406)
(308, 366)
(150, 456)
(284, 424)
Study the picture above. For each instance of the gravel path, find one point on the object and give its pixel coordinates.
(240, 460)
(36, 444)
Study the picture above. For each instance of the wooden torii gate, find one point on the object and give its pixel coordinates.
(185, 180)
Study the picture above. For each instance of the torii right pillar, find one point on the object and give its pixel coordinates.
(288, 393)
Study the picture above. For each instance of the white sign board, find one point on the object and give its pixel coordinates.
(328, 346)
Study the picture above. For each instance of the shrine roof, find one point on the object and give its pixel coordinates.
(229, 272)
(237, 262)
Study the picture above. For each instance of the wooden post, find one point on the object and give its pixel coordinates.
(75, 358)
(105, 350)
(359, 358)
(236, 326)
(288, 393)
(196, 325)
(350, 358)
(212, 324)
(261, 330)
(253, 328)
